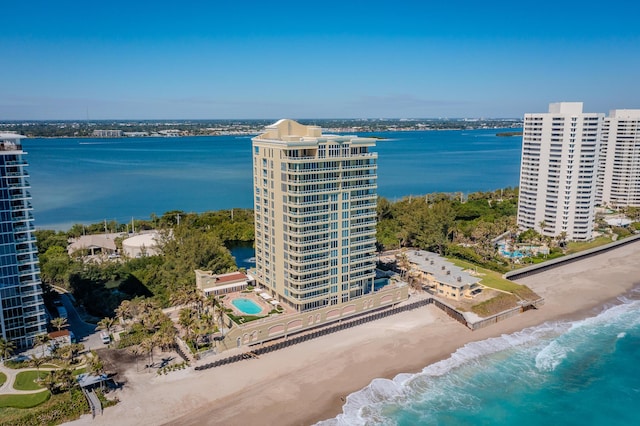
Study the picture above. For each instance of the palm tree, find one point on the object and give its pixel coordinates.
(165, 338)
(59, 323)
(42, 340)
(147, 346)
(187, 321)
(403, 263)
(124, 312)
(7, 347)
(135, 351)
(51, 381)
(37, 362)
(542, 225)
(66, 379)
(106, 323)
(95, 364)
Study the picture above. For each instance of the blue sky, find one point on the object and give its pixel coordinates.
(352, 59)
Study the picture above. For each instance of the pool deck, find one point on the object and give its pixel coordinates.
(254, 297)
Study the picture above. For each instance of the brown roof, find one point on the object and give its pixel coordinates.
(227, 278)
(61, 333)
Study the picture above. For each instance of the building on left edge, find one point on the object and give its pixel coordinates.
(23, 315)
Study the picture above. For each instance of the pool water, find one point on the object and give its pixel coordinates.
(247, 306)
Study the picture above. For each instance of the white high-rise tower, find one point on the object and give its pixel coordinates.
(558, 171)
(618, 182)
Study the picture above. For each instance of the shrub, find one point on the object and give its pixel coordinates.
(57, 409)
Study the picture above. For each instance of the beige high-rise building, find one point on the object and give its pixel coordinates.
(315, 202)
(618, 183)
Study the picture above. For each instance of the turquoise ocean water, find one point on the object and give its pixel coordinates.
(90, 180)
(559, 373)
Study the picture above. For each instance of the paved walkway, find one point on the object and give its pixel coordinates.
(7, 387)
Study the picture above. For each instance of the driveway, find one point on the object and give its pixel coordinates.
(85, 332)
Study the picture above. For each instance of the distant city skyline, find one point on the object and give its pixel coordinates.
(138, 60)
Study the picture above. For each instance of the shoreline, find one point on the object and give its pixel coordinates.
(307, 383)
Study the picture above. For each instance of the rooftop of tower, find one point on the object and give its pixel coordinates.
(287, 130)
(10, 142)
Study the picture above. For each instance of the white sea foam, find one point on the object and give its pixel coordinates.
(552, 355)
(365, 406)
(621, 335)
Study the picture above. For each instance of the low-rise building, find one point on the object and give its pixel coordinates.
(209, 283)
(445, 278)
(95, 244)
(102, 133)
(141, 245)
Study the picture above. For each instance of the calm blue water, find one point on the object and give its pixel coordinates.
(244, 254)
(89, 180)
(562, 373)
(247, 306)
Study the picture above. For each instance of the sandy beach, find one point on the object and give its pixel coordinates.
(307, 383)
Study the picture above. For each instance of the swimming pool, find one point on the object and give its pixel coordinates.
(246, 306)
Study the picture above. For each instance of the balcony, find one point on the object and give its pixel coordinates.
(305, 289)
(305, 269)
(371, 231)
(296, 233)
(21, 195)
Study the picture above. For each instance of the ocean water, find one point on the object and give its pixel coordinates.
(583, 372)
(76, 180)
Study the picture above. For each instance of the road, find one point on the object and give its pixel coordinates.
(85, 333)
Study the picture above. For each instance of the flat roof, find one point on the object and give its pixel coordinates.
(438, 266)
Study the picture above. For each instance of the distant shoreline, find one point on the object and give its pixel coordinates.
(257, 132)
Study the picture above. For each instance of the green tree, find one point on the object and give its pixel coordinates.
(7, 347)
(55, 265)
(59, 323)
(37, 362)
(42, 340)
(106, 324)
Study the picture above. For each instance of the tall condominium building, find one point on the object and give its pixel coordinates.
(618, 183)
(22, 315)
(315, 215)
(558, 171)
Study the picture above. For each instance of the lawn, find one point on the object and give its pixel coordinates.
(25, 400)
(575, 247)
(493, 279)
(26, 380)
(3, 378)
(488, 277)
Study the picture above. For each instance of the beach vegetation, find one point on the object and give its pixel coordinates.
(41, 408)
(187, 241)
(577, 246)
(621, 232)
(7, 347)
(3, 378)
(495, 305)
(449, 224)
